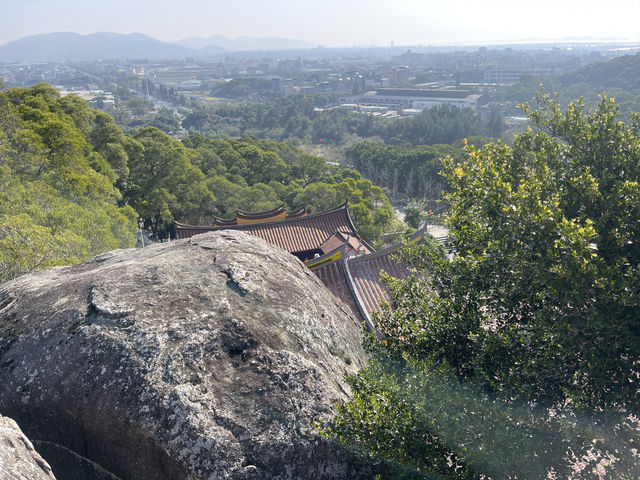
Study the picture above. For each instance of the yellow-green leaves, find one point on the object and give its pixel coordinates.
(57, 195)
(538, 306)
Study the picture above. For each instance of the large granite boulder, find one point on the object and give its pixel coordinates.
(18, 458)
(201, 359)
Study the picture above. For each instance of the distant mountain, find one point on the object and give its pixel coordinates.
(62, 46)
(243, 43)
(58, 47)
(198, 43)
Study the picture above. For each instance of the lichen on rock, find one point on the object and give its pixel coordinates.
(206, 358)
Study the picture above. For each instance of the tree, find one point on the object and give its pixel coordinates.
(164, 185)
(415, 213)
(58, 202)
(527, 341)
(165, 120)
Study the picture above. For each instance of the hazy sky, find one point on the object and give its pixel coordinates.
(330, 22)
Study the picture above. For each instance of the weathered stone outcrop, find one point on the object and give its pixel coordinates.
(201, 359)
(18, 459)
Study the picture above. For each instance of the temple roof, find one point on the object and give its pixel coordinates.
(364, 272)
(331, 271)
(295, 234)
(243, 217)
(336, 240)
(355, 279)
(301, 212)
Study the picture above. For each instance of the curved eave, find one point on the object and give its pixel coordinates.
(186, 226)
(261, 215)
(224, 222)
(301, 212)
(328, 258)
(303, 219)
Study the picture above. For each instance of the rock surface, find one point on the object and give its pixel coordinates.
(207, 358)
(18, 459)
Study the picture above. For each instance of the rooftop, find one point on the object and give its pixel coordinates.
(353, 275)
(295, 232)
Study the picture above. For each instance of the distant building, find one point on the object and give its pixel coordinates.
(512, 74)
(410, 112)
(413, 98)
(190, 85)
(399, 75)
(171, 76)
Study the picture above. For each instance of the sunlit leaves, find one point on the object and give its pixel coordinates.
(536, 311)
(57, 195)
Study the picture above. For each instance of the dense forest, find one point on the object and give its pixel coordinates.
(73, 184)
(302, 117)
(260, 88)
(405, 171)
(61, 164)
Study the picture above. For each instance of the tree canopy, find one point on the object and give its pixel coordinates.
(518, 356)
(617, 77)
(297, 116)
(58, 199)
(256, 175)
(404, 171)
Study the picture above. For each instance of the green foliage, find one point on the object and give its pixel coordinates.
(139, 106)
(163, 185)
(59, 161)
(405, 171)
(255, 175)
(415, 213)
(296, 117)
(519, 355)
(617, 78)
(164, 120)
(620, 72)
(243, 87)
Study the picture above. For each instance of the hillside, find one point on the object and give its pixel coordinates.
(68, 46)
(618, 78)
(621, 72)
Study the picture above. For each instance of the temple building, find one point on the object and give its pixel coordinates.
(354, 276)
(329, 245)
(301, 234)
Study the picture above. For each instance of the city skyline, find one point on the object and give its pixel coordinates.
(331, 23)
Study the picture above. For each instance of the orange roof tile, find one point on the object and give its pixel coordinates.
(330, 269)
(298, 234)
(364, 274)
(356, 279)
